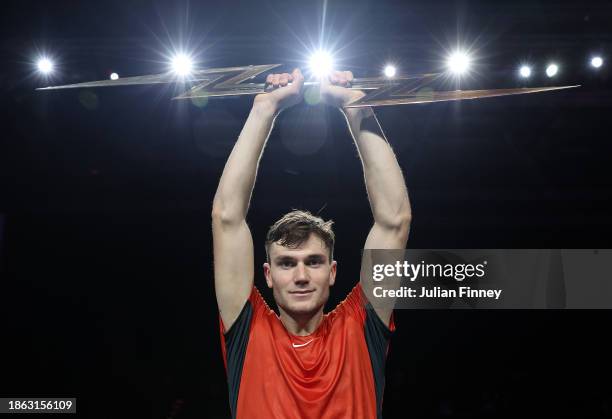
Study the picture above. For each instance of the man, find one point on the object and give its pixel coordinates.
(303, 363)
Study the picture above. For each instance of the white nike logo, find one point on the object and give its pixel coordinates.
(301, 344)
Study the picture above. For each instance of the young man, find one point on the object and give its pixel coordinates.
(303, 363)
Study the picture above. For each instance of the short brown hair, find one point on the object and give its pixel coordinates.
(295, 227)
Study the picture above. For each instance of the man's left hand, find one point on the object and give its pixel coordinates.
(335, 90)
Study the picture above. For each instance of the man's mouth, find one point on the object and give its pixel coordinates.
(301, 292)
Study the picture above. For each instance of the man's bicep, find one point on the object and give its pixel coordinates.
(233, 267)
(381, 237)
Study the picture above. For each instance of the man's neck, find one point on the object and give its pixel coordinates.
(301, 325)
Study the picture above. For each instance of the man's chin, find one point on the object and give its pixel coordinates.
(302, 309)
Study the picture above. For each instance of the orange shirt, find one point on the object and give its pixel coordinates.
(335, 372)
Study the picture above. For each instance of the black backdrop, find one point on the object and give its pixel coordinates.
(106, 287)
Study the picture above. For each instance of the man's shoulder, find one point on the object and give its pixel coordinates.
(353, 305)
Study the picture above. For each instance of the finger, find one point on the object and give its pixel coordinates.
(296, 73)
(347, 78)
(298, 78)
(269, 79)
(284, 79)
(339, 77)
(275, 80)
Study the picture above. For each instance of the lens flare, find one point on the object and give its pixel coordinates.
(596, 62)
(45, 65)
(525, 71)
(321, 63)
(390, 71)
(182, 64)
(458, 62)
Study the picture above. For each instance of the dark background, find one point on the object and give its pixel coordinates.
(105, 195)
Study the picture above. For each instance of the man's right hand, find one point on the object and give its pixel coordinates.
(282, 94)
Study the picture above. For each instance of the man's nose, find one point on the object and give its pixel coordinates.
(301, 275)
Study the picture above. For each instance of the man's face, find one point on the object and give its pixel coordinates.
(300, 278)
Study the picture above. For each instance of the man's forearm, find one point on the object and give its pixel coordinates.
(231, 201)
(384, 180)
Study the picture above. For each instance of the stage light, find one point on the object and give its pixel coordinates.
(390, 71)
(552, 70)
(114, 76)
(321, 63)
(45, 65)
(596, 62)
(182, 64)
(525, 71)
(458, 62)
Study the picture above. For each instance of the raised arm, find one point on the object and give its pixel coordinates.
(383, 177)
(232, 240)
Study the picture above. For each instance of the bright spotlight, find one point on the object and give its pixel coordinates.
(114, 76)
(458, 62)
(525, 71)
(45, 65)
(182, 64)
(390, 71)
(596, 62)
(321, 63)
(552, 70)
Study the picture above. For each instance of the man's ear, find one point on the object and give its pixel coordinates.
(267, 274)
(332, 273)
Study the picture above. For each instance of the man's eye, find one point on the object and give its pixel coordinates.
(314, 263)
(286, 264)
